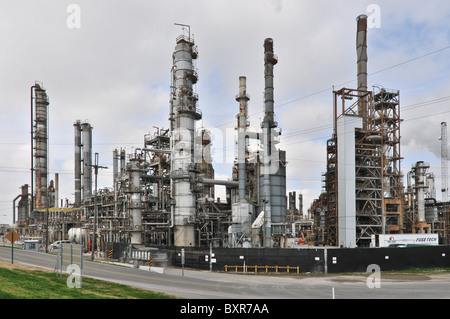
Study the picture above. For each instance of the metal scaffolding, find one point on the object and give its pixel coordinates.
(377, 175)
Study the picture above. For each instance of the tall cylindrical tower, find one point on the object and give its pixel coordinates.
(135, 169)
(41, 146)
(242, 98)
(361, 52)
(419, 175)
(270, 59)
(77, 162)
(184, 114)
(86, 136)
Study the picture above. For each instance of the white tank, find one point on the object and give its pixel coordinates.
(78, 235)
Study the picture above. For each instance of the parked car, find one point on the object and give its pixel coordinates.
(58, 243)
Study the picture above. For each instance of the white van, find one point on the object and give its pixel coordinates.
(58, 243)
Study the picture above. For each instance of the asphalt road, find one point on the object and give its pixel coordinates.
(210, 285)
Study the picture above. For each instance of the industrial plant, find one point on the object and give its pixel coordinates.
(163, 193)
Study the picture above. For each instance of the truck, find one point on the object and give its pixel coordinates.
(404, 240)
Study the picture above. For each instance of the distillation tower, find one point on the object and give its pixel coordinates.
(163, 192)
(39, 147)
(184, 114)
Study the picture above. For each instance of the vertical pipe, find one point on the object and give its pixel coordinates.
(86, 129)
(270, 59)
(32, 147)
(444, 163)
(361, 51)
(134, 168)
(56, 189)
(115, 165)
(420, 170)
(122, 161)
(115, 176)
(41, 150)
(77, 162)
(242, 98)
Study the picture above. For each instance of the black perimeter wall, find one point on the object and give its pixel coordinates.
(312, 259)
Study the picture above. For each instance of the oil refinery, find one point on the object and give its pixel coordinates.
(162, 195)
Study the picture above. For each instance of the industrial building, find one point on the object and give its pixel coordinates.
(162, 194)
(364, 195)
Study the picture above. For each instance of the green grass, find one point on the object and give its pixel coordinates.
(421, 271)
(36, 284)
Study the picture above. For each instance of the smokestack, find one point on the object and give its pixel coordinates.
(115, 164)
(77, 160)
(361, 51)
(86, 128)
(270, 59)
(242, 98)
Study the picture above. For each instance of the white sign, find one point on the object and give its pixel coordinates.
(393, 240)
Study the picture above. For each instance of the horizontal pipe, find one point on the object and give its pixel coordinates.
(217, 182)
(154, 150)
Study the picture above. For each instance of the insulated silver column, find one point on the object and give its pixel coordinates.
(419, 175)
(87, 159)
(77, 162)
(185, 114)
(135, 168)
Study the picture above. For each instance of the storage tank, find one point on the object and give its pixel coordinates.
(78, 235)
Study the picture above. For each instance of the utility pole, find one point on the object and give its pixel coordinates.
(444, 168)
(96, 167)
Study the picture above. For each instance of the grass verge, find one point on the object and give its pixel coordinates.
(16, 283)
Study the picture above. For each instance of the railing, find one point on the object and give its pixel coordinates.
(185, 38)
(264, 268)
(193, 109)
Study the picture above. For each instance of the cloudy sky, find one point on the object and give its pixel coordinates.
(113, 69)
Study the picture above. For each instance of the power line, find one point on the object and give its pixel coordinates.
(344, 83)
(403, 109)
